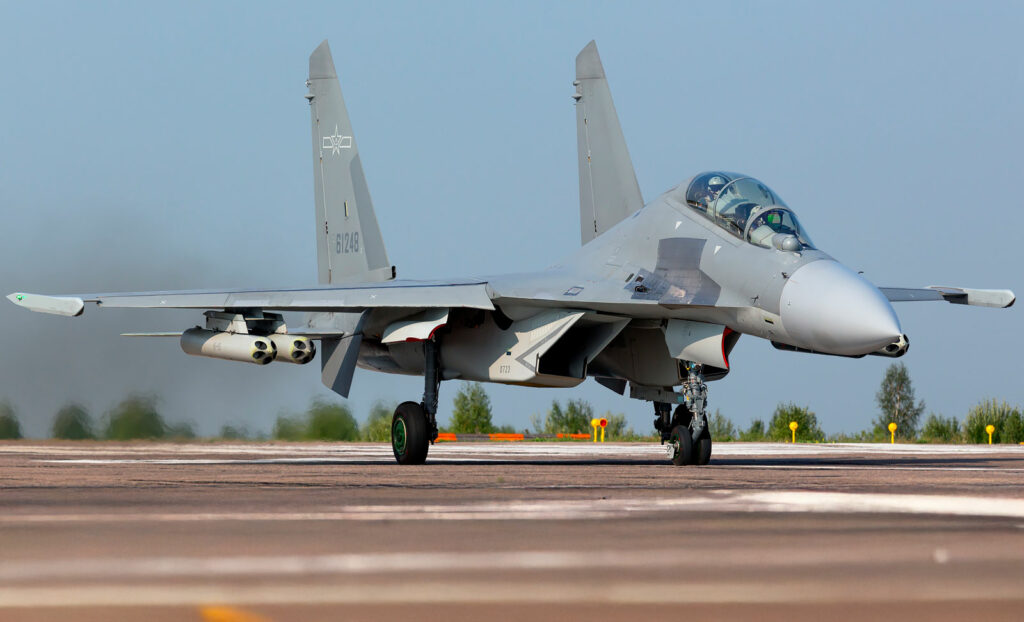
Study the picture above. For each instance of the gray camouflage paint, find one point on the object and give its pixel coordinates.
(600, 311)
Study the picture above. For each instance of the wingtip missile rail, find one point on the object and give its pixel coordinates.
(69, 306)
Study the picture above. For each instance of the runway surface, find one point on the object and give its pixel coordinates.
(495, 531)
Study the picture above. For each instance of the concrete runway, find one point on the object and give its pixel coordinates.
(549, 531)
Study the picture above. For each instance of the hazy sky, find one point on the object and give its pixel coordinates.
(146, 147)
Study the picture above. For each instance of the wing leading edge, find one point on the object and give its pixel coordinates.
(400, 294)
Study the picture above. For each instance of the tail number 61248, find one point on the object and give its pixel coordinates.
(345, 243)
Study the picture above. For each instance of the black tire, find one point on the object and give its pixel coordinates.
(681, 416)
(410, 438)
(701, 455)
(702, 450)
(684, 452)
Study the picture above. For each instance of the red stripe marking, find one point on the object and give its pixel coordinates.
(725, 333)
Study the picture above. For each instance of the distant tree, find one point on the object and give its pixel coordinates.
(1007, 420)
(289, 428)
(864, 436)
(505, 429)
(472, 411)
(939, 429)
(616, 428)
(807, 422)
(754, 433)
(324, 421)
(377, 428)
(231, 432)
(895, 399)
(73, 423)
(181, 431)
(721, 427)
(573, 419)
(328, 421)
(10, 427)
(1013, 428)
(135, 417)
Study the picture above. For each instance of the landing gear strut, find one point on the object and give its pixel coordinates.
(685, 432)
(414, 426)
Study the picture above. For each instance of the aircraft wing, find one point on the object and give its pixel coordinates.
(396, 294)
(997, 298)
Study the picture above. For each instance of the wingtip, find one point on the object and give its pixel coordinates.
(18, 298)
(69, 306)
(321, 64)
(588, 62)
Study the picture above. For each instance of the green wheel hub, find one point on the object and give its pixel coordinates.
(398, 436)
(410, 438)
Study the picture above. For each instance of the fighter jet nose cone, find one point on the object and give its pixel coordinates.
(829, 308)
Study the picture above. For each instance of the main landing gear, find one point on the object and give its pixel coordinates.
(684, 432)
(414, 426)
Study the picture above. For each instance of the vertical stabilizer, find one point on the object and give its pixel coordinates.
(608, 188)
(349, 247)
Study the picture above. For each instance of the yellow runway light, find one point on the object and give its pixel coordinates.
(793, 425)
(990, 429)
(892, 433)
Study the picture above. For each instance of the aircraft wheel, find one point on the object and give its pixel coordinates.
(702, 450)
(682, 442)
(410, 437)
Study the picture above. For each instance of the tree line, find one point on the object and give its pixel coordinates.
(135, 417)
(138, 417)
(896, 403)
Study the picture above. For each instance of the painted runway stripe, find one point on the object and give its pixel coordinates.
(866, 467)
(581, 450)
(226, 567)
(519, 592)
(592, 509)
(389, 459)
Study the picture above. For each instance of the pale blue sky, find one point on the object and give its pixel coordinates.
(148, 147)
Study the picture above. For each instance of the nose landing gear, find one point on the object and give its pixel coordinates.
(684, 432)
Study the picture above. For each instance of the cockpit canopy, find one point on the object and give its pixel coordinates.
(748, 209)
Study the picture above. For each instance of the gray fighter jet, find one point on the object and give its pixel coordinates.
(652, 303)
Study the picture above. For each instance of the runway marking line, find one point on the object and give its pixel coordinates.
(582, 450)
(493, 592)
(233, 567)
(766, 501)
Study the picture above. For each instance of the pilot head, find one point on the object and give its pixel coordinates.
(712, 187)
(715, 185)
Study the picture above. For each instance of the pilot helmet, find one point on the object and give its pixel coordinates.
(716, 183)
